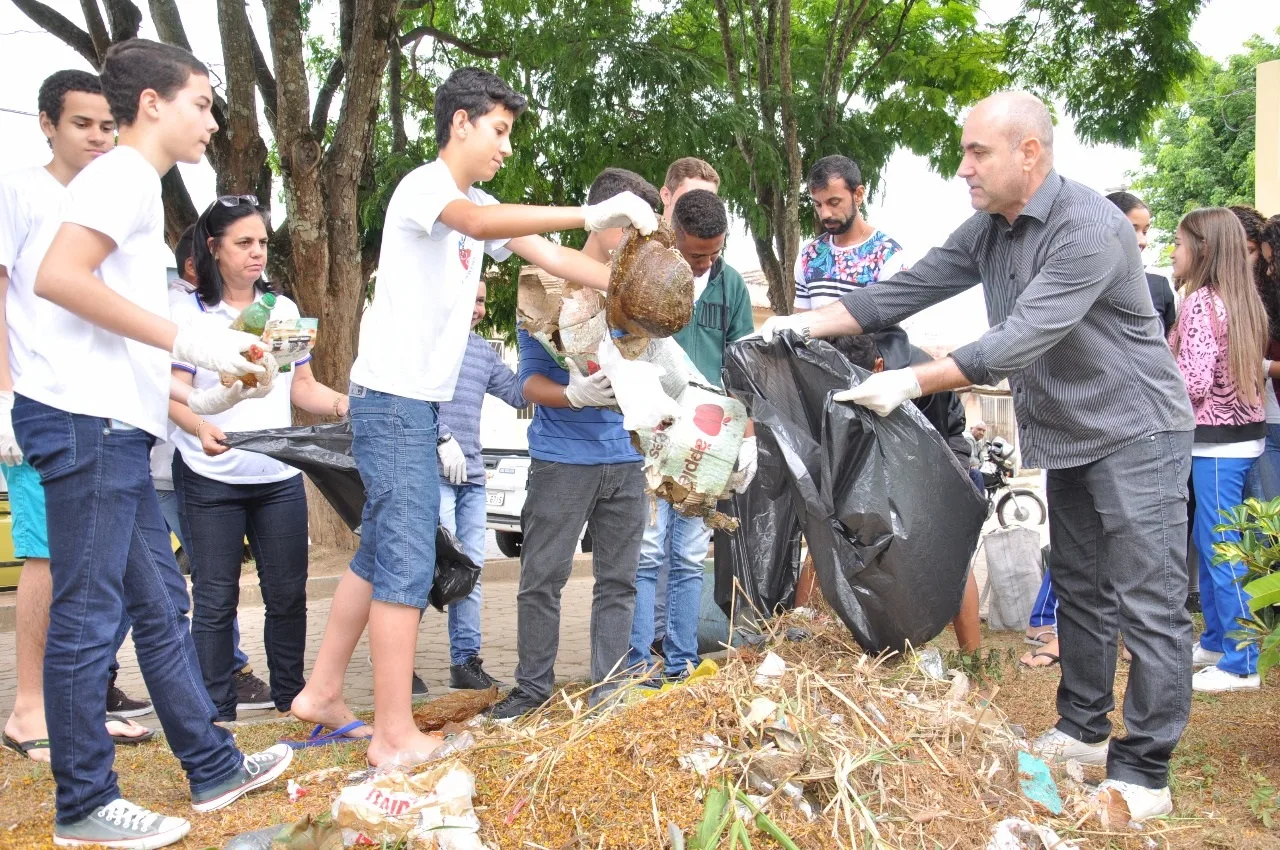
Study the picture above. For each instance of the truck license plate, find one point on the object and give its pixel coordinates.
(495, 499)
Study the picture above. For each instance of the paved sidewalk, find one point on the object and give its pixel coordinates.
(498, 619)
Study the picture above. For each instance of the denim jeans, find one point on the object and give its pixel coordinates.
(1219, 483)
(462, 511)
(394, 443)
(1118, 558)
(218, 516)
(109, 553)
(1263, 480)
(610, 500)
(169, 508)
(682, 542)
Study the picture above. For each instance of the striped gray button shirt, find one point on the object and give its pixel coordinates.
(1072, 326)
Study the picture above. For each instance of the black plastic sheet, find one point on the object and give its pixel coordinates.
(763, 555)
(891, 518)
(323, 452)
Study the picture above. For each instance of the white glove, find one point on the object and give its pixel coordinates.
(217, 349)
(748, 463)
(453, 462)
(619, 211)
(217, 398)
(884, 391)
(588, 390)
(775, 325)
(10, 452)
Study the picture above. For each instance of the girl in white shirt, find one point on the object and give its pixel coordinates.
(226, 495)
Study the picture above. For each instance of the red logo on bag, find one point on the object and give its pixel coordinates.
(710, 418)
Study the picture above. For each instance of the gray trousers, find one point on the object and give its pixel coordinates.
(1117, 554)
(610, 500)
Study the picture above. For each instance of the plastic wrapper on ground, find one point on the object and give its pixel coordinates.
(430, 809)
(890, 517)
(323, 452)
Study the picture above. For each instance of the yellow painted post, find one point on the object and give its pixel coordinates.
(1267, 144)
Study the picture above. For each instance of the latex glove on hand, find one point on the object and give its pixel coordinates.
(588, 390)
(619, 211)
(748, 463)
(799, 323)
(217, 349)
(453, 462)
(883, 392)
(217, 398)
(10, 452)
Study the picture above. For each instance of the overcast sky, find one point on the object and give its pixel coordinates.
(914, 205)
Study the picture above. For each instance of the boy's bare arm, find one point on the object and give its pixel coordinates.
(508, 221)
(562, 262)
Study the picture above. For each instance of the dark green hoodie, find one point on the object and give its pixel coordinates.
(721, 316)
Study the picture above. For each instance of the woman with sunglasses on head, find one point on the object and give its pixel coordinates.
(226, 494)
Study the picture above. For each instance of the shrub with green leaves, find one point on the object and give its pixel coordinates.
(1258, 523)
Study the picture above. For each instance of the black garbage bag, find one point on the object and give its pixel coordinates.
(323, 452)
(891, 519)
(763, 555)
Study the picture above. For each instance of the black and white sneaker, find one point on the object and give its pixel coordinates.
(419, 688)
(471, 676)
(252, 694)
(118, 702)
(256, 771)
(121, 824)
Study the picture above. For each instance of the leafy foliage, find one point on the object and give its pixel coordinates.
(1201, 152)
(1258, 524)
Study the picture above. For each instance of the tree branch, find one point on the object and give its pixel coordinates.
(124, 18)
(324, 97)
(893, 45)
(395, 103)
(168, 21)
(423, 30)
(266, 82)
(97, 29)
(56, 24)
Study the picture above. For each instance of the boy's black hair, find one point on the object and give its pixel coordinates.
(131, 67)
(183, 250)
(476, 92)
(858, 349)
(1127, 202)
(54, 90)
(615, 181)
(214, 222)
(700, 213)
(830, 167)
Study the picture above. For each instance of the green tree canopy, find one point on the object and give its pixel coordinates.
(1201, 151)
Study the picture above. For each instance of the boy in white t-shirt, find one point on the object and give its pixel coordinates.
(77, 123)
(412, 340)
(88, 406)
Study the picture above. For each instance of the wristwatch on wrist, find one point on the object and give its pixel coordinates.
(442, 440)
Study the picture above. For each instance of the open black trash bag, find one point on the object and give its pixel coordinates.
(763, 555)
(323, 452)
(891, 519)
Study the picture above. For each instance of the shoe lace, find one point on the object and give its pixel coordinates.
(128, 816)
(253, 764)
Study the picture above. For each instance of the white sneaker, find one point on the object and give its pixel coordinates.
(1213, 680)
(1123, 804)
(1201, 657)
(121, 824)
(1057, 745)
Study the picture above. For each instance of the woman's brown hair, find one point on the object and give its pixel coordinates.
(1219, 260)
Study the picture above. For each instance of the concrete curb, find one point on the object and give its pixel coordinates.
(319, 587)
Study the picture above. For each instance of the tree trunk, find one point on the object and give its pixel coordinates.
(245, 151)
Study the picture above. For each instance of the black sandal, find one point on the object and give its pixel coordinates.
(24, 748)
(1053, 659)
(128, 740)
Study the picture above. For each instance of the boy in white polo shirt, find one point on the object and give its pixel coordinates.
(87, 408)
(412, 340)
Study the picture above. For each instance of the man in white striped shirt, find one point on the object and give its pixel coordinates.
(1100, 405)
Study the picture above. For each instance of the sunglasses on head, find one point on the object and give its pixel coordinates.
(237, 200)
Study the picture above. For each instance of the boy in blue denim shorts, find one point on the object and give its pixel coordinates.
(412, 340)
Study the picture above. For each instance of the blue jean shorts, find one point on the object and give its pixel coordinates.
(26, 505)
(394, 443)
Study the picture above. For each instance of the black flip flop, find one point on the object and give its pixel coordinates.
(1053, 659)
(128, 740)
(24, 748)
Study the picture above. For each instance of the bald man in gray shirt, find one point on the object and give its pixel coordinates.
(1100, 405)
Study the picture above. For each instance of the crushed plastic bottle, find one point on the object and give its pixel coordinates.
(258, 839)
(930, 663)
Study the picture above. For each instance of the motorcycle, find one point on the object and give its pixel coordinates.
(1019, 506)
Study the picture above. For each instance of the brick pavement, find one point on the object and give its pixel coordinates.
(498, 618)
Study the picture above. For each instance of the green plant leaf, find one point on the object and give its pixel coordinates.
(1263, 592)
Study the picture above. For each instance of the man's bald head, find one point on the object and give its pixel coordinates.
(1019, 116)
(1008, 151)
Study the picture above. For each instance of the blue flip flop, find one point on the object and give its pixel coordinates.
(320, 738)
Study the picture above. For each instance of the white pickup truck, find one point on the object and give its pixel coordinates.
(505, 447)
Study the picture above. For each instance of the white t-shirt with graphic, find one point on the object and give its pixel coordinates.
(79, 367)
(825, 271)
(413, 335)
(30, 211)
